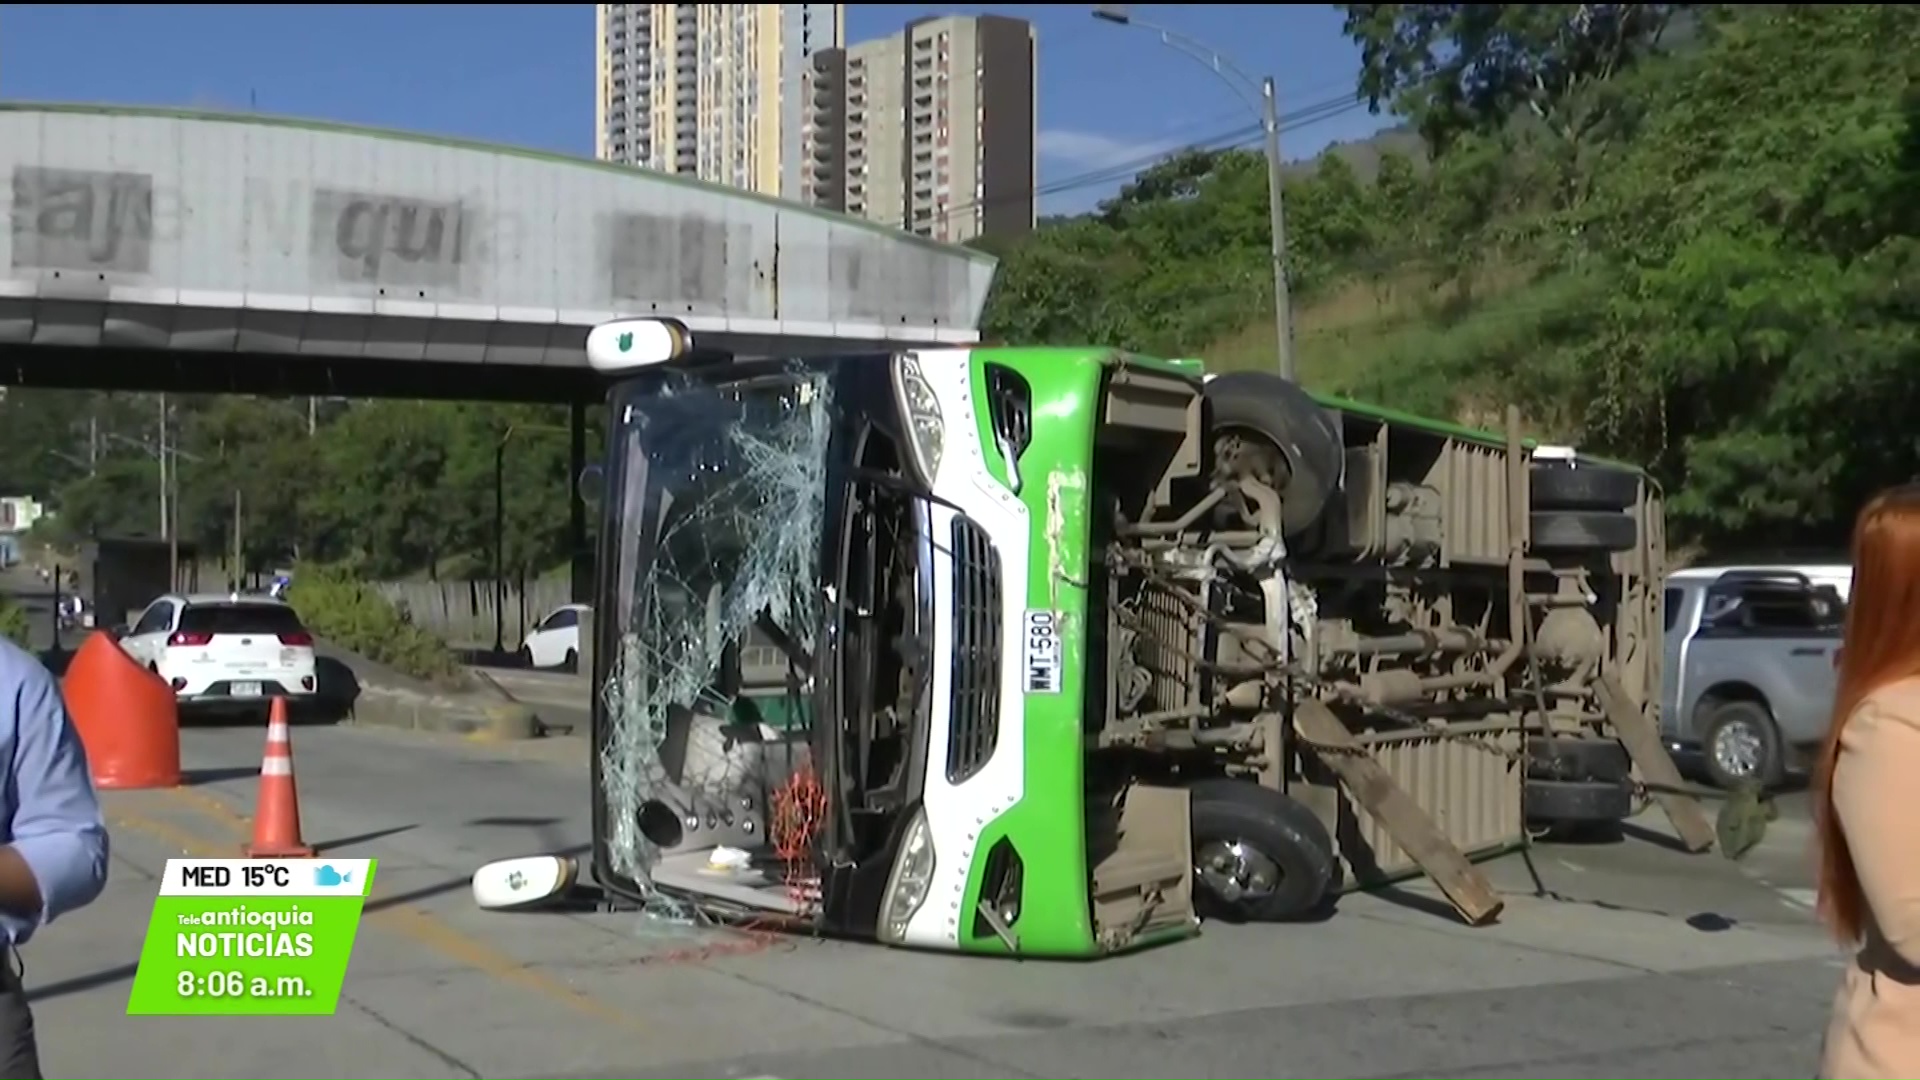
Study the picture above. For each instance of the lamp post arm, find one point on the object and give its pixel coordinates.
(1211, 58)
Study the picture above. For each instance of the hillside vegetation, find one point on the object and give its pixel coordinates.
(1701, 256)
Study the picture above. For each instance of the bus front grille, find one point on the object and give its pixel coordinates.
(975, 726)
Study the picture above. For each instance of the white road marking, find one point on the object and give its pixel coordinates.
(1802, 898)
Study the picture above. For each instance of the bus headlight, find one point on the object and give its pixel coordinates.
(926, 429)
(911, 879)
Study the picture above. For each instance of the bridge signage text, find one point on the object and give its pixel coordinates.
(360, 238)
(82, 219)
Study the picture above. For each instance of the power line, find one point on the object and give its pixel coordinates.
(1240, 137)
(1237, 138)
(1103, 175)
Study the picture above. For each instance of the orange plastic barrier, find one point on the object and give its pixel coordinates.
(127, 718)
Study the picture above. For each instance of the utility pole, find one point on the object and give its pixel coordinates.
(93, 442)
(160, 443)
(1282, 295)
(499, 541)
(1261, 95)
(313, 416)
(173, 527)
(169, 496)
(239, 548)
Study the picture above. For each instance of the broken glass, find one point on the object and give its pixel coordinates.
(720, 524)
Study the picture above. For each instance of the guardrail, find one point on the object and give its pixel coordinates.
(461, 613)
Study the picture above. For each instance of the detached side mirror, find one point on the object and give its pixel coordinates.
(591, 483)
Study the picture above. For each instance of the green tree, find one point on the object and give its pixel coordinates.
(122, 498)
(1454, 68)
(380, 499)
(1759, 239)
(257, 449)
(43, 440)
(1337, 219)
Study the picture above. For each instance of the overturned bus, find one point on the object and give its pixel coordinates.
(1012, 650)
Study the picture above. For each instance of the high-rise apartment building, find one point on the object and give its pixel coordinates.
(930, 129)
(711, 90)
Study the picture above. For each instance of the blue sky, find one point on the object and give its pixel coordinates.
(1110, 96)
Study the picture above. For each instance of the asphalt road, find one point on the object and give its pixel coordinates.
(1612, 960)
(1625, 959)
(1783, 864)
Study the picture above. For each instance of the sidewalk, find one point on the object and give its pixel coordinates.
(439, 988)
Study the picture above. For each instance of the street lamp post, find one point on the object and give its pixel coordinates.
(1261, 95)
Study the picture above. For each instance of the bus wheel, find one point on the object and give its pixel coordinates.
(1258, 855)
(1283, 419)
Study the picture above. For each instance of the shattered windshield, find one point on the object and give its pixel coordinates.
(720, 503)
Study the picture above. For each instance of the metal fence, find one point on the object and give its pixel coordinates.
(461, 613)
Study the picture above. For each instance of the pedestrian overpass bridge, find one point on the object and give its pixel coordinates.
(166, 250)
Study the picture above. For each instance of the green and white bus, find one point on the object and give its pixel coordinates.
(994, 649)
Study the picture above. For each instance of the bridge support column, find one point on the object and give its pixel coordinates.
(579, 541)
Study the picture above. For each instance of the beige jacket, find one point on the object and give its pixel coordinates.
(1875, 1030)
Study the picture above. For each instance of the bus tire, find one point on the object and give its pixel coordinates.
(1258, 855)
(1582, 530)
(1586, 487)
(1583, 804)
(1282, 414)
(1572, 758)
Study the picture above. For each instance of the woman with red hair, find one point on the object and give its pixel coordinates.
(1865, 804)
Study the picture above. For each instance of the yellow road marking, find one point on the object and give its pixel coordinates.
(189, 843)
(216, 808)
(407, 920)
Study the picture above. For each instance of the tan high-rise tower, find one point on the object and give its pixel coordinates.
(710, 90)
(930, 129)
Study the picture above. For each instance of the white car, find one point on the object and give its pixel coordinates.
(225, 652)
(555, 642)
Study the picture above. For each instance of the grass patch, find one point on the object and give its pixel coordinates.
(13, 621)
(350, 613)
(1438, 350)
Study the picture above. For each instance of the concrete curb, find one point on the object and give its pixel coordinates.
(478, 716)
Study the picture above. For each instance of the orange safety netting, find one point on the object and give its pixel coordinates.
(799, 811)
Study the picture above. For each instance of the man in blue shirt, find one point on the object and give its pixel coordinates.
(53, 843)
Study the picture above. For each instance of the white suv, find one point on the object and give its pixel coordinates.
(221, 652)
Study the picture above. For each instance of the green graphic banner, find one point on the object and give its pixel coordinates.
(250, 937)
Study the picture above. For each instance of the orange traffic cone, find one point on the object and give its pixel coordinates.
(276, 819)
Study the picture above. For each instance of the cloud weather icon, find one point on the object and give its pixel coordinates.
(327, 877)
